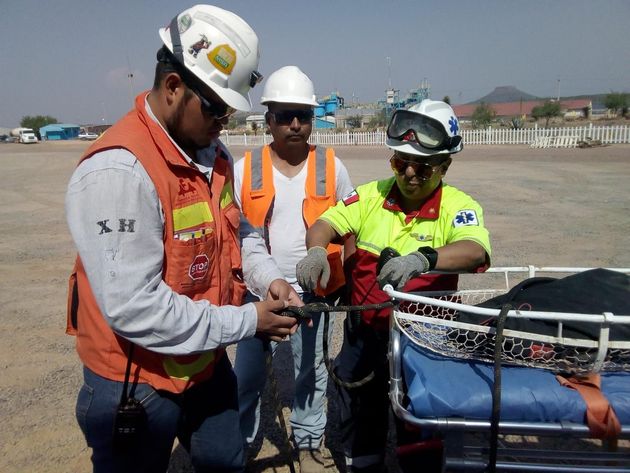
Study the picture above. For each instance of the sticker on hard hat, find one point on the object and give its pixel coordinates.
(223, 57)
(184, 23)
(199, 267)
(203, 43)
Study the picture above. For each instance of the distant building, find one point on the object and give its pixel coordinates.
(325, 123)
(581, 108)
(59, 131)
(255, 122)
(343, 114)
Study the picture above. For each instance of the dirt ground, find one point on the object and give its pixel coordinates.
(553, 207)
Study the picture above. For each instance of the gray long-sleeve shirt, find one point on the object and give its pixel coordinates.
(111, 192)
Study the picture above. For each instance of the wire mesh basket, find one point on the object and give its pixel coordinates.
(432, 321)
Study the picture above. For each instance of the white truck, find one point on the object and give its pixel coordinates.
(24, 135)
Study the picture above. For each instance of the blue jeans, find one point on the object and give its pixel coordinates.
(203, 418)
(308, 416)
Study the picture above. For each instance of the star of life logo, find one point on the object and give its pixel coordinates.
(199, 267)
(465, 217)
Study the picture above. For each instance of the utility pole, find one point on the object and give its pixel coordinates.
(389, 72)
(558, 91)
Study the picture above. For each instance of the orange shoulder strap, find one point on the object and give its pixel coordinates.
(600, 416)
(257, 191)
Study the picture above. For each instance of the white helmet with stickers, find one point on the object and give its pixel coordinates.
(219, 48)
(427, 128)
(289, 85)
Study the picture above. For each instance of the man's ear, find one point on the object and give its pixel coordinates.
(173, 86)
(267, 117)
(444, 166)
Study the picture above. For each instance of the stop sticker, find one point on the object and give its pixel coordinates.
(199, 267)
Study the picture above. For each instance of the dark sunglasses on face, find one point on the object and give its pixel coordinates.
(216, 110)
(420, 169)
(285, 117)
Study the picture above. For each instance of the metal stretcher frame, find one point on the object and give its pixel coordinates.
(457, 456)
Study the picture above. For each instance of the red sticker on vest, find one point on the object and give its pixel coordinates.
(351, 198)
(199, 267)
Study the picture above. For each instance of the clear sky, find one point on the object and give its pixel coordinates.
(71, 59)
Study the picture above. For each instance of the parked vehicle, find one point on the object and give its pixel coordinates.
(24, 135)
(87, 135)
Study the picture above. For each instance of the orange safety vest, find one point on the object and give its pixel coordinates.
(258, 195)
(201, 255)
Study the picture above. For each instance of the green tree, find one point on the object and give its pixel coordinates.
(447, 99)
(354, 121)
(36, 122)
(377, 120)
(483, 115)
(548, 110)
(617, 101)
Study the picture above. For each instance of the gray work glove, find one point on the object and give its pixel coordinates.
(397, 271)
(311, 267)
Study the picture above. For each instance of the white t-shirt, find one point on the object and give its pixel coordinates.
(287, 229)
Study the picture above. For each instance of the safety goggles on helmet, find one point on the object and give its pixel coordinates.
(285, 117)
(426, 131)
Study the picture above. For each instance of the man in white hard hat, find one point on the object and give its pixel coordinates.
(282, 188)
(423, 224)
(157, 289)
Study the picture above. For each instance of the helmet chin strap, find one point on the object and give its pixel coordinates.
(176, 41)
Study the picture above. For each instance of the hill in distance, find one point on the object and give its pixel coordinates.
(505, 93)
(509, 93)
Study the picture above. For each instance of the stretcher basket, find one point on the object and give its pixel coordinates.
(426, 333)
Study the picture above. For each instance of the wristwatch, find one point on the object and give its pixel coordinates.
(430, 254)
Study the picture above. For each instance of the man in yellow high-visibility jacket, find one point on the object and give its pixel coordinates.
(432, 225)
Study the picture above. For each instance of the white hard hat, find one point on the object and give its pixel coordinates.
(427, 128)
(289, 85)
(218, 47)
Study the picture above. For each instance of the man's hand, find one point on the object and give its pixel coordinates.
(271, 324)
(313, 266)
(397, 271)
(280, 290)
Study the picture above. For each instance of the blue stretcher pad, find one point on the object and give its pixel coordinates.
(439, 386)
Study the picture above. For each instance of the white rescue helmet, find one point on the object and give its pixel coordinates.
(219, 48)
(289, 85)
(427, 128)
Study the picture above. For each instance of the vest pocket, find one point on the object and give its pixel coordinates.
(190, 267)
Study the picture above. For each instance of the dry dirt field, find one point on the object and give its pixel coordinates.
(553, 207)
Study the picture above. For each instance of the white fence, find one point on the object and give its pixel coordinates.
(568, 136)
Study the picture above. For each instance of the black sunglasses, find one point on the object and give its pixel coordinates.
(285, 117)
(423, 170)
(216, 110)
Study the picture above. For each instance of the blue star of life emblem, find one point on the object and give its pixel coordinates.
(454, 125)
(464, 218)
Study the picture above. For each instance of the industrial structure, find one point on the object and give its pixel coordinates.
(59, 131)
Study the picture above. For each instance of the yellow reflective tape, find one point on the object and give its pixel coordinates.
(187, 371)
(227, 195)
(192, 216)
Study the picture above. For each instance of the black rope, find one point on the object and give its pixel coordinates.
(273, 386)
(496, 389)
(308, 310)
